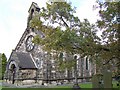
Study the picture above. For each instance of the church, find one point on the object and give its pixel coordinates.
(29, 64)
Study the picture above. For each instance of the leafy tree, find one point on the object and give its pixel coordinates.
(110, 50)
(64, 32)
(4, 62)
(57, 24)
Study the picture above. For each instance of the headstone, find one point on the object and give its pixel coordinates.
(107, 77)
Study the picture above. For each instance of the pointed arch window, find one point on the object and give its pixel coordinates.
(87, 63)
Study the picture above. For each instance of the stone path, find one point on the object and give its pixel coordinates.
(4, 84)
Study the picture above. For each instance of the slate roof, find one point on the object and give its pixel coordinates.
(25, 61)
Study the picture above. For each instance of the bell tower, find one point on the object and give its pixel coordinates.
(33, 11)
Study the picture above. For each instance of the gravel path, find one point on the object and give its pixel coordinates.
(4, 84)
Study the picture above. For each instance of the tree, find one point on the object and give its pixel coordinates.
(4, 63)
(110, 51)
(64, 32)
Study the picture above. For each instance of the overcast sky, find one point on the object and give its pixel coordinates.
(13, 19)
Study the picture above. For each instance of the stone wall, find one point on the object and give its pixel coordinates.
(26, 74)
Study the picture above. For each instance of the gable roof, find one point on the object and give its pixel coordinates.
(24, 60)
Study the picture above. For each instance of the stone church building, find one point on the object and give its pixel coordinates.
(28, 63)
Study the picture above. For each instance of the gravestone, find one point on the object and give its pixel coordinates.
(107, 78)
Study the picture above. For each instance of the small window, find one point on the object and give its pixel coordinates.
(33, 30)
(61, 55)
(27, 30)
(32, 11)
(75, 57)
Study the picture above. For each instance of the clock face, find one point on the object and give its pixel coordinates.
(29, 44)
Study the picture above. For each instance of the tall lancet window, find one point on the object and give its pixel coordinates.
(87, 63)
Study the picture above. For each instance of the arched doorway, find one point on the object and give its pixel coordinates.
(13, 71)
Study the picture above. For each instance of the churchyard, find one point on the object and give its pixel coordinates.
(100, 81)
(85, 85)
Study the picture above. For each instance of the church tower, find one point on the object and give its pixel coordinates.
(33, 11)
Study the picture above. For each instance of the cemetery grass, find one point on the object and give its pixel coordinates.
(82, 85)
(68, 87)
(87, 85)
(115, 84)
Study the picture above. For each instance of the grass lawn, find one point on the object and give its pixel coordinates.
(68, 87)
(87, 85)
